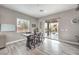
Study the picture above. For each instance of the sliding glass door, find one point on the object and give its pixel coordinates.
(51, 30)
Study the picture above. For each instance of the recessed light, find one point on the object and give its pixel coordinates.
(41, 10)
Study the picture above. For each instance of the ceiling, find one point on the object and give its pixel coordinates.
(40, 10)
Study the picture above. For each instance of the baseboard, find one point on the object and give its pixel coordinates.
(66, 41)
(69, 42)
(14, 41)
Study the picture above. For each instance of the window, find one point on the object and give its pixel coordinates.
(53, 27)
(7, 27)
(22, 25)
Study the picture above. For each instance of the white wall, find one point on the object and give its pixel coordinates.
(67, 30)
(8, 16)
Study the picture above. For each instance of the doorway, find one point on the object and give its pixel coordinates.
(51, 30)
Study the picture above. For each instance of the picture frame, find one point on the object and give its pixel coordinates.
(33, 25)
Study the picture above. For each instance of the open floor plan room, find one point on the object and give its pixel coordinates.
(39, 29)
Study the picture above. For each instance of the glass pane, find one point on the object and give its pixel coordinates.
(22, 25)
(7, 27)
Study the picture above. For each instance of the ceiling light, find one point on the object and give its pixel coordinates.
(41, 10)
